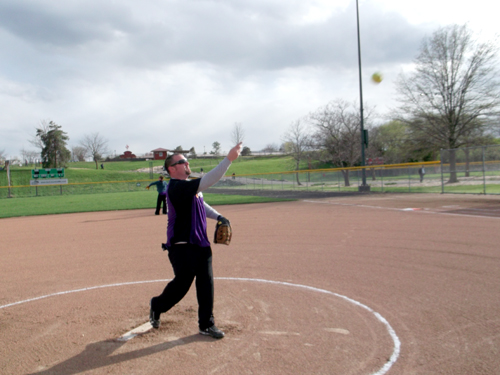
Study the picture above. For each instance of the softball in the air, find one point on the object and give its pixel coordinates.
(377, 77)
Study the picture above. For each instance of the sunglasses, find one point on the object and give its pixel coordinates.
(182, 161)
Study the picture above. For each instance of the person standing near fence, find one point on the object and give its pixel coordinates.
(421, 172)
(188, 246)
(161, 187)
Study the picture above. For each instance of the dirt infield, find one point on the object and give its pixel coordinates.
(372, 284)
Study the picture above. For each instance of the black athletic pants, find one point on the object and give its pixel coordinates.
(162, 198)
(189, 262)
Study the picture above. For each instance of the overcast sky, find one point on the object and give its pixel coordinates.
(164, 73)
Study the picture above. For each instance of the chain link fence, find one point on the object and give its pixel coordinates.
(384, 178)
(20, 186)
(471, 170)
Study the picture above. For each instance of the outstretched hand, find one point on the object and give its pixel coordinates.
(234, 152)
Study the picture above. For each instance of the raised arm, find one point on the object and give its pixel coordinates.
(212, 177)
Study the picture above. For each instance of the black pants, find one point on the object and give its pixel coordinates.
(161, 199)
(189, 262)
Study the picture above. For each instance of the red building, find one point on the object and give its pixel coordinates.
(160, 153)
(127, 155)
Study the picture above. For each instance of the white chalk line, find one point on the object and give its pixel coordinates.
(81, 290)
(380, 318)
(143, 328)
(419, 210)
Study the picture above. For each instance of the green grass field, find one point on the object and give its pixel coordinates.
(84, 178)
(59, 204)
(243, 165)
(91, 189)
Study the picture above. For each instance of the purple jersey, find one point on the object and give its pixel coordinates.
(186, 213)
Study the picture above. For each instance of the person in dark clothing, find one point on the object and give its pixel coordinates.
(188, 246)
(421, 172)
(161, 187)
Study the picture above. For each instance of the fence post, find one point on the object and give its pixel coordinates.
(442, 175)
(7, 164)
(382, 179)
(409, 180)
(484, 171)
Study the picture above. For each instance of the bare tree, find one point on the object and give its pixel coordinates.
(29, 156)
(453, 91)
(238, 133)
(96, 146)
(43, 129)
(271, 147)
(337, 134)
(297, 143)
(2, 154)
(79, 153)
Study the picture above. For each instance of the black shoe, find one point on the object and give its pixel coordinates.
(213, 331)
(154, 322)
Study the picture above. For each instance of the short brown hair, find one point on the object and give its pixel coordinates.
(169, 162)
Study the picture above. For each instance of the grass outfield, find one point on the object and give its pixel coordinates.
(105, 202)
(128, 170)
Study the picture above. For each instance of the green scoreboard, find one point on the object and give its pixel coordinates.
(47, 173)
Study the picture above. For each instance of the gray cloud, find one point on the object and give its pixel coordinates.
(197, 65)
(60, 25)
(215, 32)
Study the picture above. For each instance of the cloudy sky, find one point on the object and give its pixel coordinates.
(164, 73)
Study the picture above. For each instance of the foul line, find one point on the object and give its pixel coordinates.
(420, 210)
(380, 318)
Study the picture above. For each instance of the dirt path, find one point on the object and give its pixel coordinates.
(396, 284)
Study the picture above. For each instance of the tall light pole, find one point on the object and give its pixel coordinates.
(364, 187)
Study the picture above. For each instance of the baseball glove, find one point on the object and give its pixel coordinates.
(223, 232)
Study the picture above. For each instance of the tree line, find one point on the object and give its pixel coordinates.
(53, 141)
(450, 100)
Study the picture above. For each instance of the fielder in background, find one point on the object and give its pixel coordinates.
(188, 246)
(421, 172)
(161, 187)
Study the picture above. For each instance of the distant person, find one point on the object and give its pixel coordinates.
(201, 170)
(102, 166)
(421, 172)
(161, 187)
(234, 176)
